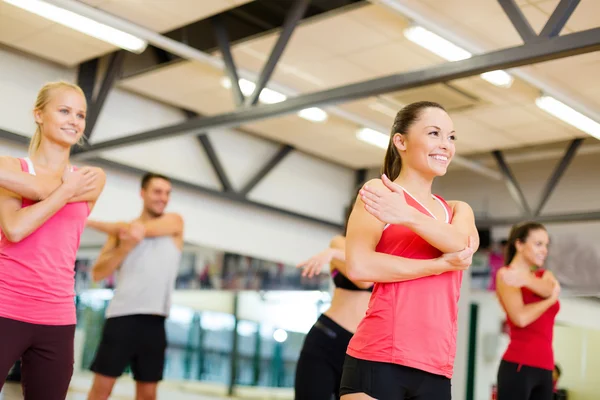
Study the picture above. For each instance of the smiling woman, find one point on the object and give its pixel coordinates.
(414, 245)
(40, 238)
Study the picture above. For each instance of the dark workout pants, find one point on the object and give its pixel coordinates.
(520, 382)
(46, 353)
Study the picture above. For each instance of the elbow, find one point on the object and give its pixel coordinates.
(13, 235)
(97, 276)
(520, 321)
(355, 269)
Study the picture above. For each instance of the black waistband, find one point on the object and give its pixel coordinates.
(331, 328)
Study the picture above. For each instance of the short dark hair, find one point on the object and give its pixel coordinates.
(151, 175)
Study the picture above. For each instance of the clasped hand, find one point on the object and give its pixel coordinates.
(387, 203)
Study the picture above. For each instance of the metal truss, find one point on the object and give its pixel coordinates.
(87, 81)
(517, 194)
(541, 49)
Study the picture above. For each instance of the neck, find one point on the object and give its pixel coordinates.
(520, 262)
(51, 156)
(146, 215)
(418, 185)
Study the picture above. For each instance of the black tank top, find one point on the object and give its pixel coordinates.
(342, 282)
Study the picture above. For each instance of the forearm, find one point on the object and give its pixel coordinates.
(110, 228)
(108, 263)
(26, 220)
(441, 235)
(26, 185)
(541, 287)
(380, 267)
(531, 312)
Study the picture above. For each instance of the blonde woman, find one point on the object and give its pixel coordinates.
(44, 203)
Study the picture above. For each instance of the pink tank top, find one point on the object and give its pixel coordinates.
(411, 323)
(37, 274)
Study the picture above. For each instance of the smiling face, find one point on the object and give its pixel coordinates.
(534, 249)
(60, 115)
(428, 144)
(156, 196)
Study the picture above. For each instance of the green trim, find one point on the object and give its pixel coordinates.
(472, 351)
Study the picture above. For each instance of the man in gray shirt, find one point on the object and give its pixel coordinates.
(145, 254)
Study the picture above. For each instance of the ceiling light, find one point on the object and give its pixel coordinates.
(436, 44)
(267, 96)
(373, 137)
(498, 78)
(568, 115)
(314, 114)
(82, 24)
(451, 52)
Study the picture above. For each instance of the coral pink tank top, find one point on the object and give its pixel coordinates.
(411, 323)
(37, 274)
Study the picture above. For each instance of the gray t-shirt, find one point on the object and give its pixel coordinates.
(146, 279)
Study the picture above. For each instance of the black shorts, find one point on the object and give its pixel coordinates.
(139, 341)
(386, 381)
(521, 382)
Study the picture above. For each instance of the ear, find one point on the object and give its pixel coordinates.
(519, 245)
(399, 141)
(37, 115)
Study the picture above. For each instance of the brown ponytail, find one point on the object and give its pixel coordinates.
(408, 115)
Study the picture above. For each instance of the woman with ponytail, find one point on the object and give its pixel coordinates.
(529, 296)
(415, 246)
(44, 203)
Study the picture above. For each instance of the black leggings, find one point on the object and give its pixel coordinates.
(46, 354)
(319, 368)
(520, 382)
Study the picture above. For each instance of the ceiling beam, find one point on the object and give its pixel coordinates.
(225, 48)
(518, 19)
(542, 49)
(511, 183)
(559, 18)
(558, 173)
(294, 15)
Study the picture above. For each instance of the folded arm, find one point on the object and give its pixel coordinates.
(511, 300)
(24, 184)
(17, 223)
(337, 247)
(543, 286)
(110, 258)
(447, 238)
(366, 264)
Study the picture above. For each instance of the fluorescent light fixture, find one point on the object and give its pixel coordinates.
(82, 24)
(436, 44)
(313, 114)
(568, 115)
(373, 137)
(499, 78)
(451, 52)
(267, 96)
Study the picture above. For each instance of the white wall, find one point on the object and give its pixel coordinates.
(300, 183)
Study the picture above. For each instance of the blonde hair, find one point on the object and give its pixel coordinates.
(43, 98)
